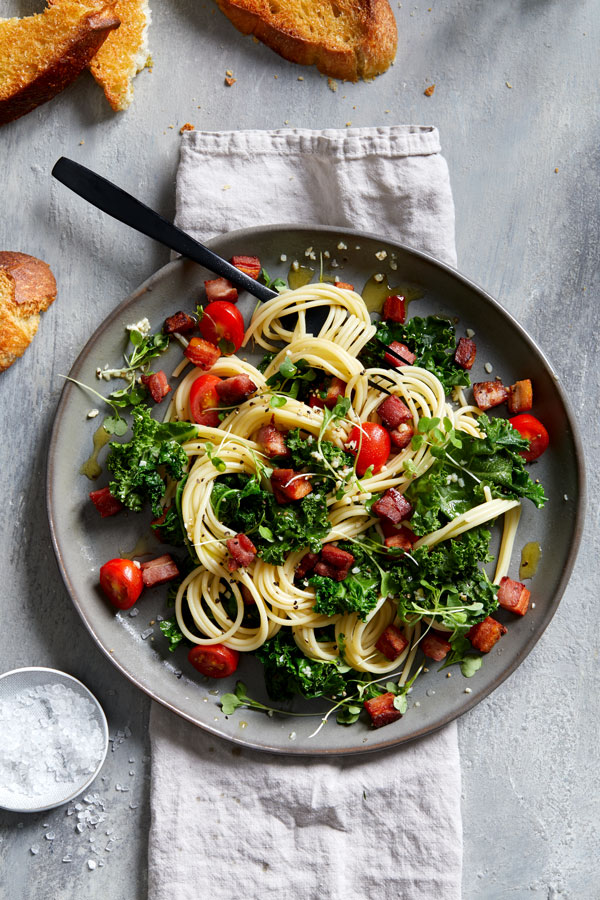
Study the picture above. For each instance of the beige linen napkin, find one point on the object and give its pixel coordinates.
(229, 823)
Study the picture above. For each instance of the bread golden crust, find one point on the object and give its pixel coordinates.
(123, 54)
(40, 55)
(27, 288)
(348, 39)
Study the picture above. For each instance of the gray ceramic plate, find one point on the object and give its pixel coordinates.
(83, 541)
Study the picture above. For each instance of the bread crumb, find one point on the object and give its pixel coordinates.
(332, 85)
(170, 126)
(226, 187)
(229, 72)
(81, 143)
(508, 84)
(187, 127)
(255, 39)
(300, 77)
(556, 171)
(429, 90)
(230, 81)
(348, 124)
(275, 76)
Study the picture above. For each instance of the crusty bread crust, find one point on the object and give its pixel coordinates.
(347, 39)
(40, 55)
(27, 288)
(124, 53)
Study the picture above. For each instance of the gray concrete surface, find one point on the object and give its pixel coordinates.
(516, 99)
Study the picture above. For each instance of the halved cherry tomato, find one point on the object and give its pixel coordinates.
(214, 660)
(531, 428)
(375, 447)
(223, 322)
(122, 582)
(203, 396)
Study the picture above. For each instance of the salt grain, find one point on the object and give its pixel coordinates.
(51, 736)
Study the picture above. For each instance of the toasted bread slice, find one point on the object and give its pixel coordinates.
(40, 55)
(347, 39)
(27, 288)
(124, 53)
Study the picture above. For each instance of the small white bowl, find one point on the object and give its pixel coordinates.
(22, 679)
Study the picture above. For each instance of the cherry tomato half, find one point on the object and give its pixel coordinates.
(222, 321)
(375, 447)
(122, 582)
(203, 396)
(214, 660)
(531, 428)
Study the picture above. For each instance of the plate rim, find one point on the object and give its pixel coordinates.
(453, 272)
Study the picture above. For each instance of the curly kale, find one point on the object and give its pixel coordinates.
(240, 503)
(455, 481)
(432, 339)
(135, 465)
(289, 672)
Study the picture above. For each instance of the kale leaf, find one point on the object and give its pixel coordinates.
(320, 457)
(433, 340)
(240, 503)
(172, 632)
(135, 464)
(445, 582)
(289, 672)
(359, 592)
(455, 481)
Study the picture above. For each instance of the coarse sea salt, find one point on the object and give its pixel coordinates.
(50, 736)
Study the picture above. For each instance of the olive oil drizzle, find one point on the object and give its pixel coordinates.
(91, 467)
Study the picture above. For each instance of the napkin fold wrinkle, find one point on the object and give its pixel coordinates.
(229, 821)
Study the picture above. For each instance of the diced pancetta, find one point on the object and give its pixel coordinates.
(289, 485)
(489, 393)
(401, 436)
(400, 538)
(235, 390)
(394, 309)
(306, 564)
(248, 264)
(157, 384)
(520, 396)
(382, 711)
(466, 352)
(179, 323)
(272, 440)
(159, 570)
(328, 571)
(485, 634)
(391, 642)
(242, 552)
(220, 289)
(513, 595)
(399, 350)
(393, 412)
(392, 506)
(435, 645)
(334, 556)
(202, 353)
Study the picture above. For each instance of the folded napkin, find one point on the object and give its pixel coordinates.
(228, 822)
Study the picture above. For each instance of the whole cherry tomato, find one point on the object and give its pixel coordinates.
(214, 660)
(371, 445)
(223, 325)
(531, 428)
(203, 397)
(122, 582)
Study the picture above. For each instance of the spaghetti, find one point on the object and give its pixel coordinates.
(279, 600)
